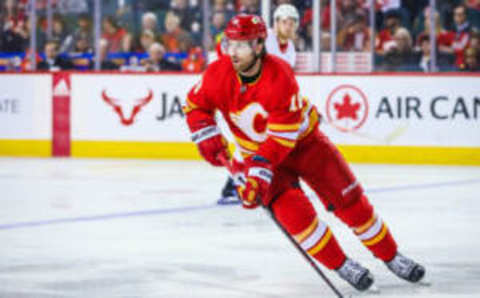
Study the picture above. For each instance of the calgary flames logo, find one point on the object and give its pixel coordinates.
(115, 103)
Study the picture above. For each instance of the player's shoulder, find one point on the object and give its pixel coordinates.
(220, 66)
(279, 68)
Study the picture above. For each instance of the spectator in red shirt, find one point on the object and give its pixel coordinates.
(399, 54)
(444, 38)
(384, 37)
(119, 40)
(462, 35)
(175, 39)
(355, 36)
(473, 4)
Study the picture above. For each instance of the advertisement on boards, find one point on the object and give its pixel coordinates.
(25, 106)
(130, 107)
(397, 110)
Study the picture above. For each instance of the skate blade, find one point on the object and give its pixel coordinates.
(424, 283)
(373, 290)
(229, 201)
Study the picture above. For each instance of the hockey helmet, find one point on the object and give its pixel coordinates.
(285, 11)
(246, 27)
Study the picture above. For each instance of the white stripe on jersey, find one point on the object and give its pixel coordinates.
(273, 47)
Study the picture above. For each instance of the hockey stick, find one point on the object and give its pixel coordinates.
(227, 164)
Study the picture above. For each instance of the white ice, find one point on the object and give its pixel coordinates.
(130, 228)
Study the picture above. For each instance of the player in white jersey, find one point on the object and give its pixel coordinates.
(279, 42)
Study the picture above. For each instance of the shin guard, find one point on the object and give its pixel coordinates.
(297, 215)
(369, 228)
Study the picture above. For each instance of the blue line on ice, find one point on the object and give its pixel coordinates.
(185, 209)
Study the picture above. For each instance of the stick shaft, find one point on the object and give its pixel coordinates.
(223, 158)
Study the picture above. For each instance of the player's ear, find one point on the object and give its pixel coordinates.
(260, 50)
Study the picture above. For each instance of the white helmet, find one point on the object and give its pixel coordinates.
(284, 11)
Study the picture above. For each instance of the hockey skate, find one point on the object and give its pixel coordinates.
(406, 268)
(356, 275)
(229, 194)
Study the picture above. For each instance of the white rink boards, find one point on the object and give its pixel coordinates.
(129, 228)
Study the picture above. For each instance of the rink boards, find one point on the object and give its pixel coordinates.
(373, 118)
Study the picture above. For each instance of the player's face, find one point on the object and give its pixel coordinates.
(286, 28)
(241, 53)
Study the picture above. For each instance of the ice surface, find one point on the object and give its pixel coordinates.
(129, 228)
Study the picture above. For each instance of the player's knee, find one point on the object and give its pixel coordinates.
(357, 213)
(294, 211)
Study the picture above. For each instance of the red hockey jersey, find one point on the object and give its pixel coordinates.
(266, 117)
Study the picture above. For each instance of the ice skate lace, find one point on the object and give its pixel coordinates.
(351, 271)
(401, 266)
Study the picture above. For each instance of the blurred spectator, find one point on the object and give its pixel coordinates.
(225, 6)
(355, 36)
(249, 6)
(82, 44)
(119, 40)
(147, 38)
(52, 61)
(475, 41)
(156, 61)
(350, 10)
(444, 61)
(444, 38)
(384, 37)
(473, 4)
(219, 22)
(105, 63)
(462, 35)
(189, 17)
(395, 6)
(471, 60)
(399, 55)
(83, 31)
(195, 61)
(14, 31)
(175, 38)
(150, 22)
(59, 30)
(72, 6)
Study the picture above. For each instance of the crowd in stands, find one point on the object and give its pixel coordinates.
(168, 35)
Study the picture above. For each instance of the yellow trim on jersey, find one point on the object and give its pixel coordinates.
(361, 229)
(190, 106)
(284, 127)
(318, 247)
(312, 124)
(377, 238)
(308, 231)
(285, 143)
(252, 83)
(247, 144)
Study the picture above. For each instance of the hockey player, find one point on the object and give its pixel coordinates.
(279, 42)
(278, 134)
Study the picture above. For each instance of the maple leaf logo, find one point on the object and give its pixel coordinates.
(346, 109)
